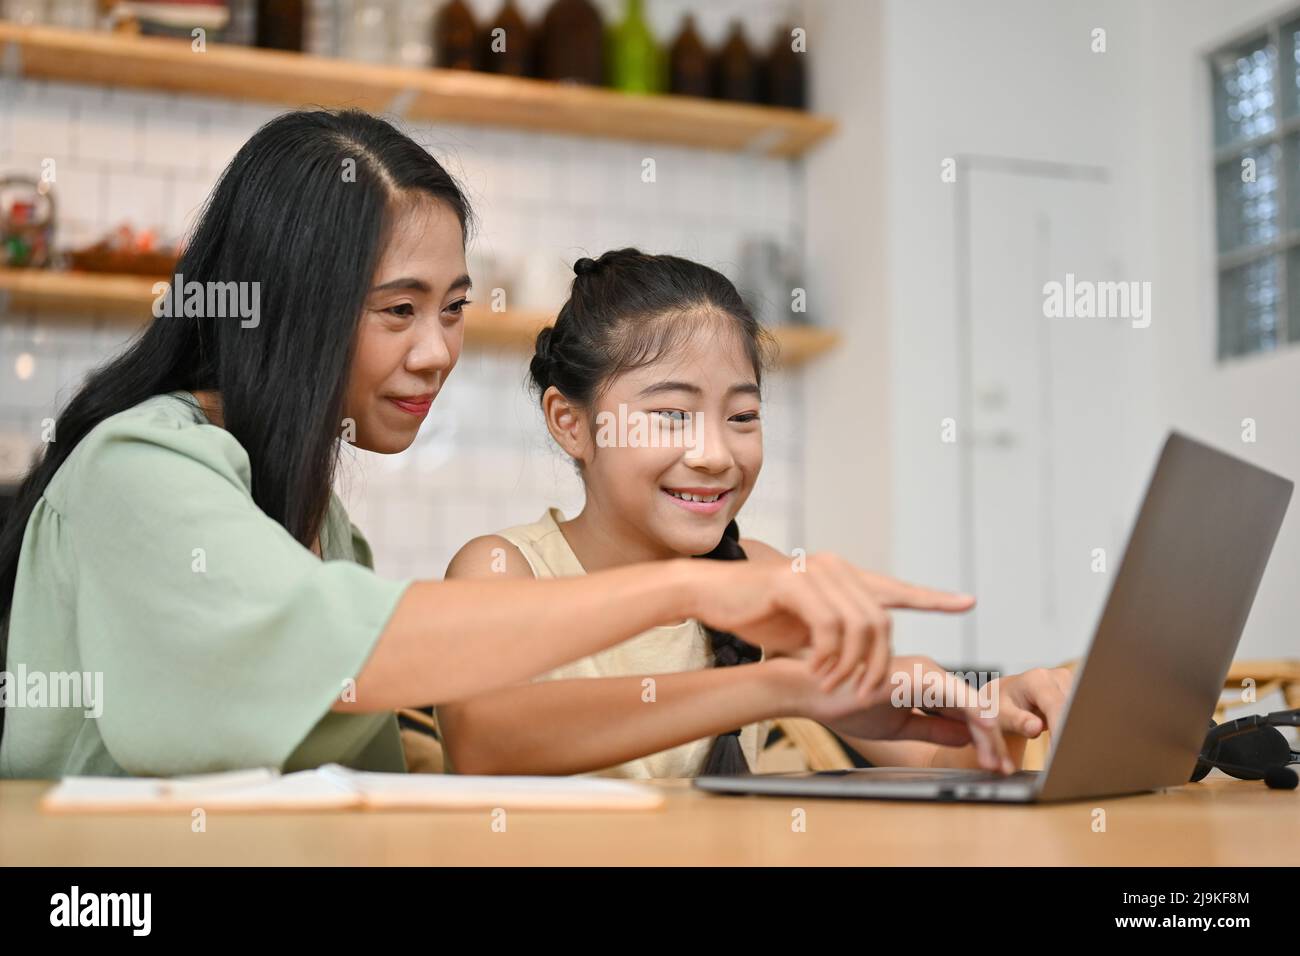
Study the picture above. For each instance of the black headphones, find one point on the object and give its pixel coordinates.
(1252, 748)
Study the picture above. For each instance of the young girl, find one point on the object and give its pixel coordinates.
(650, 381)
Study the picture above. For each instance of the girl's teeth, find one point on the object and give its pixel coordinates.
(687, 496)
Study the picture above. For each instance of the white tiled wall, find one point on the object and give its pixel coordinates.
(483, 460)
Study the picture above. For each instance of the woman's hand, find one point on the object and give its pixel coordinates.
(962, 716)
(1032, 702)
(824, 605)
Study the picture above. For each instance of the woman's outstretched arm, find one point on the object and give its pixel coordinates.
(448, 640)
(451, 639)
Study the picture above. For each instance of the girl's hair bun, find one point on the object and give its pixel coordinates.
(540, 366)
(542, 345)
(612, 320)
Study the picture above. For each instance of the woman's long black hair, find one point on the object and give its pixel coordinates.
(302, 210)
(625, 310)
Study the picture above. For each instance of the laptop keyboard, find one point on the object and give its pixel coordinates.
(928, 775)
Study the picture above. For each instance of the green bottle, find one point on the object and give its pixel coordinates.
(635, 62)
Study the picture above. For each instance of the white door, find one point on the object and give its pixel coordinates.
(1047, 414)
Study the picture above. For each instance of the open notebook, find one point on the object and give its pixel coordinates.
(333, 787)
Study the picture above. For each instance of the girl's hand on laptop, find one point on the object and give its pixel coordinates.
(892, 710)
(1034, 701)
(822, 604)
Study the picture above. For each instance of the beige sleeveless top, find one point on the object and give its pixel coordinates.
(660, 650)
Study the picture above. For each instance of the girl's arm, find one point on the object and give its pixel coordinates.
(586, 724)
(577, 726)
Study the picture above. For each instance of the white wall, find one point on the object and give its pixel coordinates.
(847, 500)
(921, 80)
(1194, 392)
(1008, 78)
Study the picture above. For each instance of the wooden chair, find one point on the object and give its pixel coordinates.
(421, 743)
(801, 745)
(1268, 677)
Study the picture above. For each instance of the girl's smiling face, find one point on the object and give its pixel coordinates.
(700, 404)
(411, 329)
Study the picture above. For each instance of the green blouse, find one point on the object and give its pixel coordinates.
(220, 641)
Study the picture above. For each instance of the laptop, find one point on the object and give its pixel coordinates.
(1144, 695)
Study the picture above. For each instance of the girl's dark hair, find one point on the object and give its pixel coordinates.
(726, 757)
(292, 214)
(628, 308)
(625, 310)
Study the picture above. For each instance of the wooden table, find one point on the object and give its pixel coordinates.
(1220, 822)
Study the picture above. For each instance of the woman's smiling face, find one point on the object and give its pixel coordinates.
(411, 329)
(701, 405)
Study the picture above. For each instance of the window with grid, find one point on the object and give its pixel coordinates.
(1257, 189)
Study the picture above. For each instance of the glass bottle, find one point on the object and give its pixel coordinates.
(786, 80)
(737, 74)
(367, 33)
(634, 59)
(572, 44)
(507, 45)
(413, 33)
(455, 37)
(279, 24)
(690, 70)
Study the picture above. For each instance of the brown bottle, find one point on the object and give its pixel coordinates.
(786, 82)
(279, 24)
(737, 76)
(690, 68)
(508, 30)
(455, 39)
(572, 43)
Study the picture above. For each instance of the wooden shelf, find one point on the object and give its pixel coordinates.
(797, 344)
(456, 96)
(127, 299)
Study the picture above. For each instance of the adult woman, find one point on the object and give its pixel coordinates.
(171, 538)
